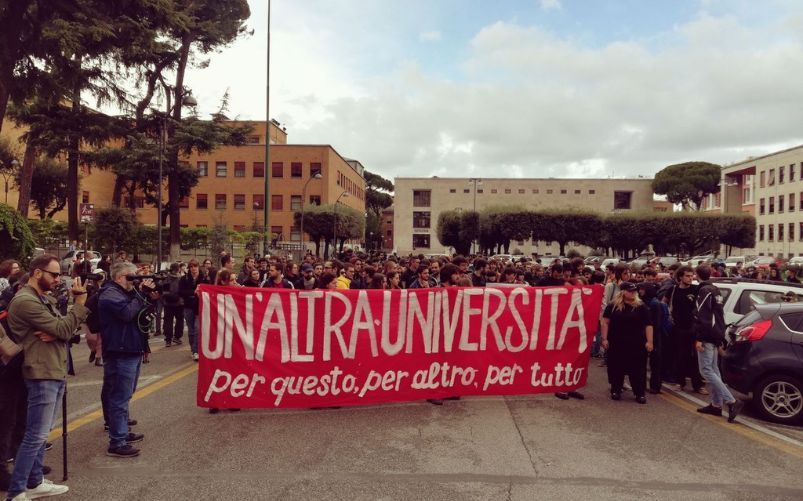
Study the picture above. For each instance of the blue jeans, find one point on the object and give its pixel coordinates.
(44, 397)
(120, 375)
(191, 319)
(709, 368)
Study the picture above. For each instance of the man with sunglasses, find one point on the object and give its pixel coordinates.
(44, 333)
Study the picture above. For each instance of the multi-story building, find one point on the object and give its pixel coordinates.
(419, 201)
(770, 188)
(387, 229)
(232, 183)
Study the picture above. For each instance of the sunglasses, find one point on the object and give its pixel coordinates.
(51, 273)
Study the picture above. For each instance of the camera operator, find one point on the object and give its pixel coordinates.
(44, 333)
(124, 344)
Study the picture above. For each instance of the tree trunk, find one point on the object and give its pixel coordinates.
(173, 177)
(26, 177)
(318, 247)
(72, 165)
(117, 194)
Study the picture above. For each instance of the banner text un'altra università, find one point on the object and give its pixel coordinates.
(271, 348)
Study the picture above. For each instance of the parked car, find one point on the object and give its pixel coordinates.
(795, 261)
(610, 260)
(741, 295)
(69, 259)
(696, 261)
(764, 361)
(733, 261)
(505, 258)
(765, 262)
(666, 261)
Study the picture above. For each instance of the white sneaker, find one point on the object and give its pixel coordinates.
(46, 489)
(20, 497)
(195, 356)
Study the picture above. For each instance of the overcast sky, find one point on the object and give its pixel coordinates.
(525, 88)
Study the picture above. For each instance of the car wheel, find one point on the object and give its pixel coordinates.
(779, 399)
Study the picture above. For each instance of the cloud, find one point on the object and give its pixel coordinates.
(521, 100)
(430, 36)
(550, 4)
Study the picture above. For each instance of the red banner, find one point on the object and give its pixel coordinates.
(270, 348)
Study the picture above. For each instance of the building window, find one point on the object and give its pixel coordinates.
(184, 203)
(420, 241)
(466, 190)
(791, 225)
(296, 170)
(239, 169)
(772, 205)
(480, 191)
(84, 197)
(203, 169)
(276, 202)
(780, 203)
(259, 169)
(421, 219)
(258, 202)
(239, 228)
(508, 191)
(276, 232)
(315, 200)
(422, 198)
(549, 192)
(781, 170)
(562, 192)
(201, 201)
(535, 191)
(253, 140)
(792, 202)
(295, 202)
(239, 201)
(221, 169)
(748, 191)
(494, 191)
(780, 232)
(761, 231)
(771, 236)
(295, 233)
(452, 190)
(577, 192)
(791, 179)
(761, 179)
(592, 192)
(622, 200)
(521, 191)
(315, 168)
(771, 178)
(761, 207)
(800, 232)
(276, 169)
(220, 201)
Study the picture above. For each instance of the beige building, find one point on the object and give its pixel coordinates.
(419, 201)
(771, 188)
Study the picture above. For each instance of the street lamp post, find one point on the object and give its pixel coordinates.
(475, 180)
(267, 144)
(317, 175)
(334, 212)
(7, 175)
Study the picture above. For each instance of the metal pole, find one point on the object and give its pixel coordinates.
(268, 169)
(159, 198)
(64, 433)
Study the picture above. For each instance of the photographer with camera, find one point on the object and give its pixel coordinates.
(44, 333)
(124, 311)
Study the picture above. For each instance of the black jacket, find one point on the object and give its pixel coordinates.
(710, 318)
(186, 289)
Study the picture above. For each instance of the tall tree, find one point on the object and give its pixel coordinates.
(688, 183)
(48, 186)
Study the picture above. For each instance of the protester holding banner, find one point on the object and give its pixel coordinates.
(627, 335)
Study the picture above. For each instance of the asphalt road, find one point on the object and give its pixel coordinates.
(526, 447)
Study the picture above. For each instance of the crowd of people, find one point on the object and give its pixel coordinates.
(669, 319)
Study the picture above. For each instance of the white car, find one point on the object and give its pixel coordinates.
(696, 261)
(610, 260)
(734, 261)
(69, 259)
(741, 295)
(795, 261)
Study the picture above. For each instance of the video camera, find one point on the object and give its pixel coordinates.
(95, 277)
(159, 279)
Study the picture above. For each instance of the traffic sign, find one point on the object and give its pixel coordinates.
(87, 213)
